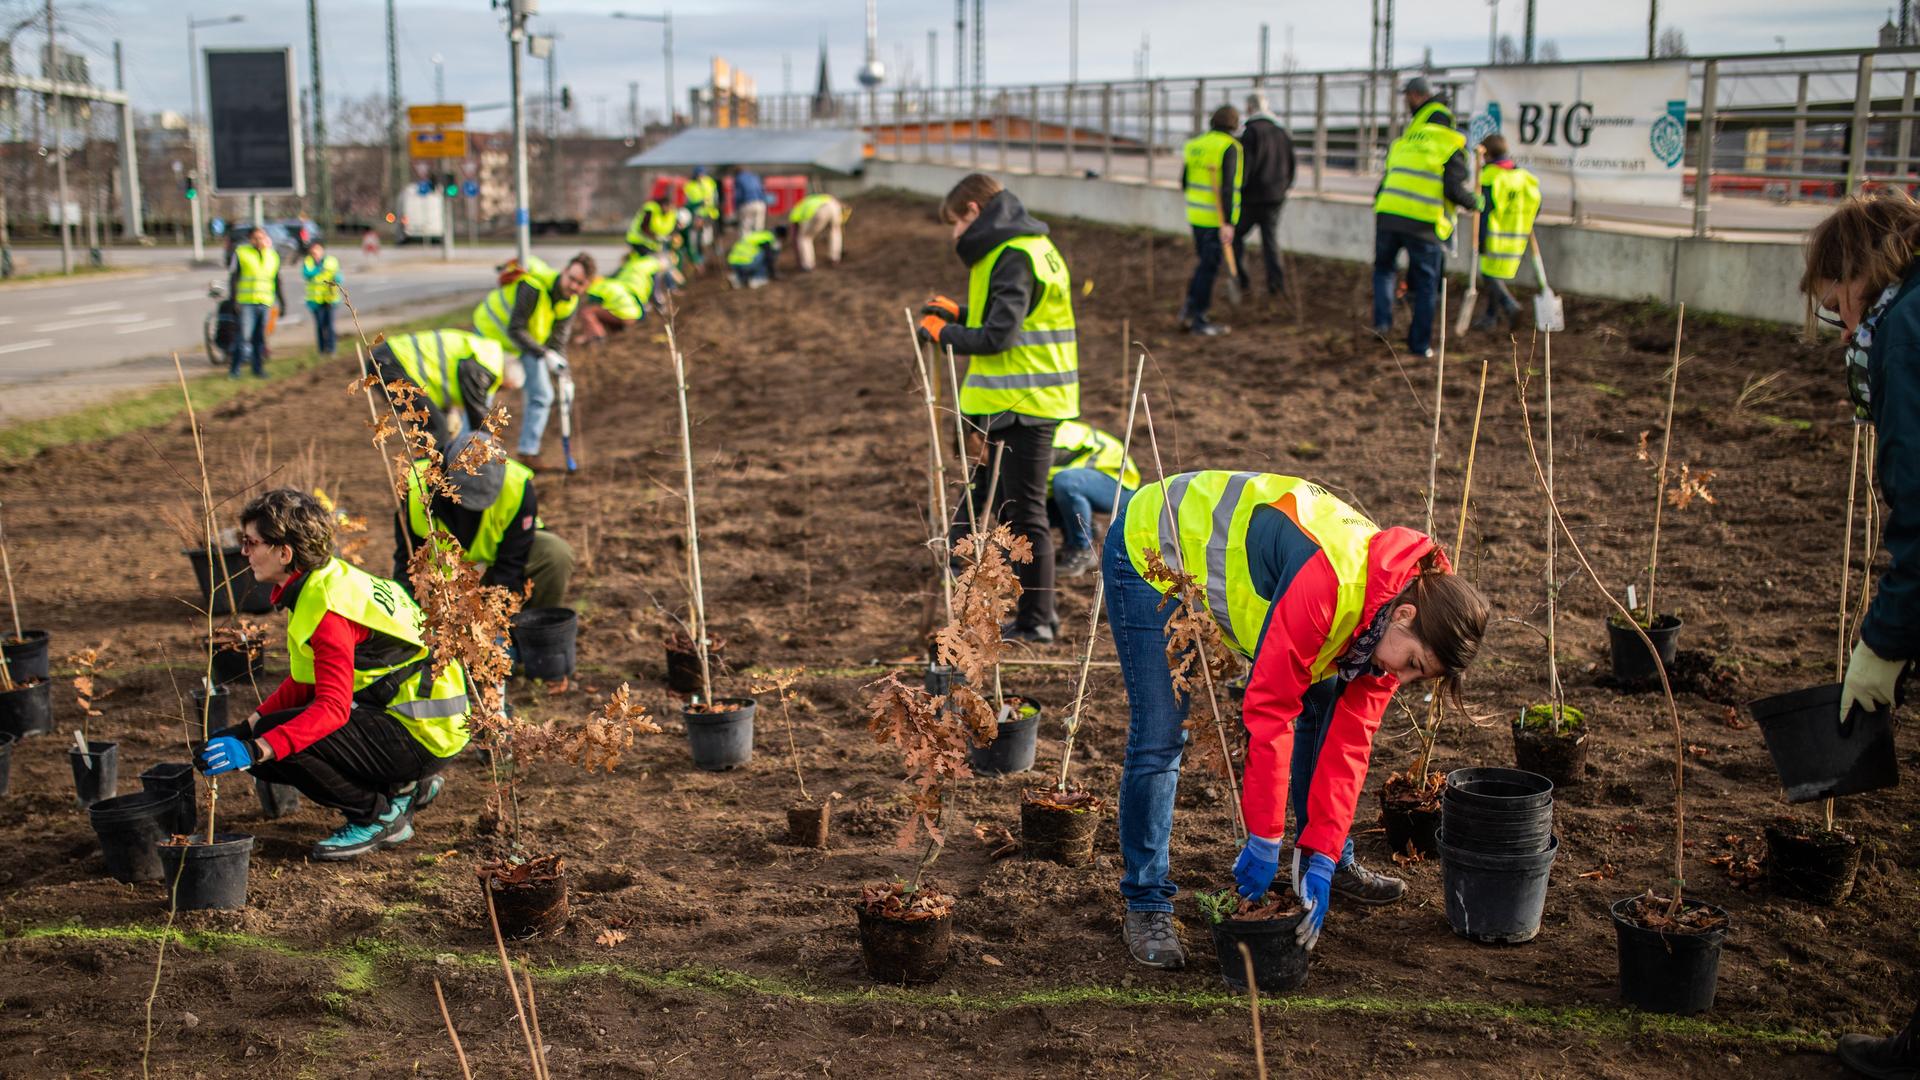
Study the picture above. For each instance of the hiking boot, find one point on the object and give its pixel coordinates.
(351, 841)
(1152, 940)
(1356, 882)
(417, 796)
(1074, 561)
(1892, 1058)
(1204, 327)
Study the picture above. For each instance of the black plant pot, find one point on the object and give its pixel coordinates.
(212, 708)
(96, 773)
(941, 679)
(1411, 825)
(276, 800)
(232, 666)
(1632, 663)
(1819, 758)
(7, 739)
(721, 740)
(1495, 899)
(543, 642)
(1812, 865)
(202, 876)
(1665, 972)
(175, 777)
(1279, 963)
(26, 655)
(683, 665)
(532, 907)
(1014, 748)
(1561, 758)
(254, 597)
(131, 829)
(904, 950)
(27, 710)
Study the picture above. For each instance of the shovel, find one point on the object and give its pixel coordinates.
(1233, 272)
(1468, 302)
(1549, 316)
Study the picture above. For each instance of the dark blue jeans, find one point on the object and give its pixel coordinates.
(250, 340)
(1156, 736)
(1079, 494)
(1425, 258)
(1206, 244)
(323, 327)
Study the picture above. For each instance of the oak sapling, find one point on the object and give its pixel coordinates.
(807, 819)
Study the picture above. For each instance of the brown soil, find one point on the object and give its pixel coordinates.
(739, 952)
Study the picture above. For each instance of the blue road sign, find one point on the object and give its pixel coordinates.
(472, 188)
(425, 187)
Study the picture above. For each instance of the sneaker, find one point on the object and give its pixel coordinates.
(351, 841)
(1074, 562)
(1153, 941)
(418, 796)
(1356, 882)
(1204, 327)
(1892, 1058)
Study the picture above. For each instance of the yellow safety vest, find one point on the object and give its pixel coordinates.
(1083, 446)
(496, 311)
(748, 247)
(804, 210)
(432, 360)
(652, 225)
(703, 196)
(433, 710)
(637, 274)
(1516, 202)
(323, 287)
(494, 520)
(1208, 528)
(259, 272)
(1039, 374)
(616, 298)
(1204, 156)
(1414, 186)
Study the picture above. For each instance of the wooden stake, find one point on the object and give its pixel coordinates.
(1666, 445)
(693, 524)
(960, 440)
(936, 477)
(1439, 385)
(1555, 698)
(7, 565)
(458, 1050)
(533, 1014)
(206, 510)
(1253, 1008)
(1126, 345)
(1846, 579)
(1473, 444)
(506, 968)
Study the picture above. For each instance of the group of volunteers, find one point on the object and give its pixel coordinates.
(659, 229)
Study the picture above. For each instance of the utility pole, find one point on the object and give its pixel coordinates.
(516, 38)
(1653, 26)
(960, 44)
(1493, 31)
(396, 148)
(1526, 49)
(1262, 80)
(59, 150)
(665, 19)
(979, 44)
(633, 109)
(1073, 43)
(553, 137)
(933, 59)
(322, 175)
(129, 167)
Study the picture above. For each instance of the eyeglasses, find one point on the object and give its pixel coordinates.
(248, 543)
(1827, 313)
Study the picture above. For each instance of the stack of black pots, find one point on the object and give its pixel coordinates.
(1496, 850)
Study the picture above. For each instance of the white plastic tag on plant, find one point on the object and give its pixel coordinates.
(1631, 602)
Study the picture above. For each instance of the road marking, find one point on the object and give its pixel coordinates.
(77, 324)
(95, 309)
(6, 320)
(157, 324)
(197, 294)
(23, 346)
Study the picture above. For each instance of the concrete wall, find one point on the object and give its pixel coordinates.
(1755, 280)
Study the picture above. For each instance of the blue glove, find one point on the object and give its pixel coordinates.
(1254, 870)
(1315, 889)
(224, 755)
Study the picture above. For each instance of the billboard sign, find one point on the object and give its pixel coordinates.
(253, 121)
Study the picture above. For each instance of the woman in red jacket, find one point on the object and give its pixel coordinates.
(1336, 614)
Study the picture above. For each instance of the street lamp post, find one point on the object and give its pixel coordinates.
(665, 19)
(193, 125)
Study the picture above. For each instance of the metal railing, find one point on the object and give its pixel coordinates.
(1781, 128)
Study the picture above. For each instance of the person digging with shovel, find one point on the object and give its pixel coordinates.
(1335, 614)
(1213, 168)
(531, 313)
(1512, 198)
(360, 724)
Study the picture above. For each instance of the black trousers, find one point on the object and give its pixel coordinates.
(1020, 501)
(357, 768)
(1266, 218)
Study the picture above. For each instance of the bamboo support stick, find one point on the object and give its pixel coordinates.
(1126, 346)
(937, 476)
(960, 440)
(506, 968)
(1253, 1008)
(1206, 669)
(533, 1016)
(458, 1050)
(1100, 584)
(693, 522)
(993, 486)
(1666, 445)
(1870, 540)
(1555, 696)
(1473, 445)
(206, 509)
(6, 564)
(1846, 579)
(1439, 387)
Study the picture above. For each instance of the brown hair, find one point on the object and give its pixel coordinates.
(976, 188)
(1450, 617)
(296, 519)
(586, 263)
(1496, 145)
(1224, 118)
(1871, 238)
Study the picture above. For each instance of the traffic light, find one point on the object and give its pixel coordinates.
(566, 99)
(451, 185)
(193, 187)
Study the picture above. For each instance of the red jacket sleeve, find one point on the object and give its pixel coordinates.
(1341, 770)
(288, 695)
(1297, 627)
(333, 643)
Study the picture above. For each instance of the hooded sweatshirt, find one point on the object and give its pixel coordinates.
(1012, 287)
(1270, 161)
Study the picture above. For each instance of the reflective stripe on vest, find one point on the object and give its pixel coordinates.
(493, 314)
(432, 359)
(432, 710)
(494, 520)
(651, 225)
(1516, 202)
(748, 248)
(259, 273)
(615, 298)
(324, 286)
(1414, 186)
(1082, 446)
(1204, 156)
(1207, 528)
(1039, 373)
(807, 207)
(637, 273)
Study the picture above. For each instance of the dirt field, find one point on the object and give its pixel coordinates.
(740, 956)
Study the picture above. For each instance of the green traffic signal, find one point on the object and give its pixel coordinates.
(193, 189)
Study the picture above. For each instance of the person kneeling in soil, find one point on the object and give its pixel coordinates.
(750, 262)
(360, 724)
(455, 370)
(1863, 273)
(1090, 471)
(494, 515)
(1335, 613)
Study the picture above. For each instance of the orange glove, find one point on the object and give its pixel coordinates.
(944, 306)
(930, 327)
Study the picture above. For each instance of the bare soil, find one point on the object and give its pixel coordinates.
(702, 944)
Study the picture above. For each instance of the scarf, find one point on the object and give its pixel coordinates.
(1358, 659)
(1857, 349)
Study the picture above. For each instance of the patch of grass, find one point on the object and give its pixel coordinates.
(78, 272)
(145, 409)
(1797, 425)
(1610, 391)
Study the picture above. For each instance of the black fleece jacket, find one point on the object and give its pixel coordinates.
(1013, 289)
(509, 568)
(1892, 626)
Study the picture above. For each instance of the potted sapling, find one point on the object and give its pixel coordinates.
(26, 689)
(807, 819)
(96, 764)
(971, 646)
(1644, 632)
(23, 653)
(226, 580)
(239, 649)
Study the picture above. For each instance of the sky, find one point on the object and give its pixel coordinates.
(1027, 40)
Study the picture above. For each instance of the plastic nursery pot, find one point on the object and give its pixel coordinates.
(96, 773)
(26, 655)
(177, 778)
(207, 877)
(1560, 757)
(254, 598)
(1632, 663)
(27, 710)
(1505, 790)
(1814, 865)
(1668, 971)
(1059, 826)
(235, 666)
(1409, 820)
(1279, 963)
(543, 642)
(210, 707)
(1818, 757)
(720, 739)
(1495, 899)
(941, 679)
(900, 950)
(807, 823)
(1014, 748)
(529, 898)
(7, 739)
(131, 829)
(1491, 832)
(276, 800)
(683, 662)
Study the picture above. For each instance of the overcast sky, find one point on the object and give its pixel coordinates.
(1027, 40)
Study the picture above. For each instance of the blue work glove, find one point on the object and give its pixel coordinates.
(1315, 890)
(224, 755)
(1254, 870)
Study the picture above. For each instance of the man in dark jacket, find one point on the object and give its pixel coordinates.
(1413, 208)
(506, 537)
(1263, 191)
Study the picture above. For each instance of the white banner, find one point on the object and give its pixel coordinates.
(1599, 133)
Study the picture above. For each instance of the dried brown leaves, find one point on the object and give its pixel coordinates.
(1690, 486)
(86, 661)
(597, 743)
(984, 595)
(241, 636)
(1191, 635)
(895, 901)
(931, 739)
